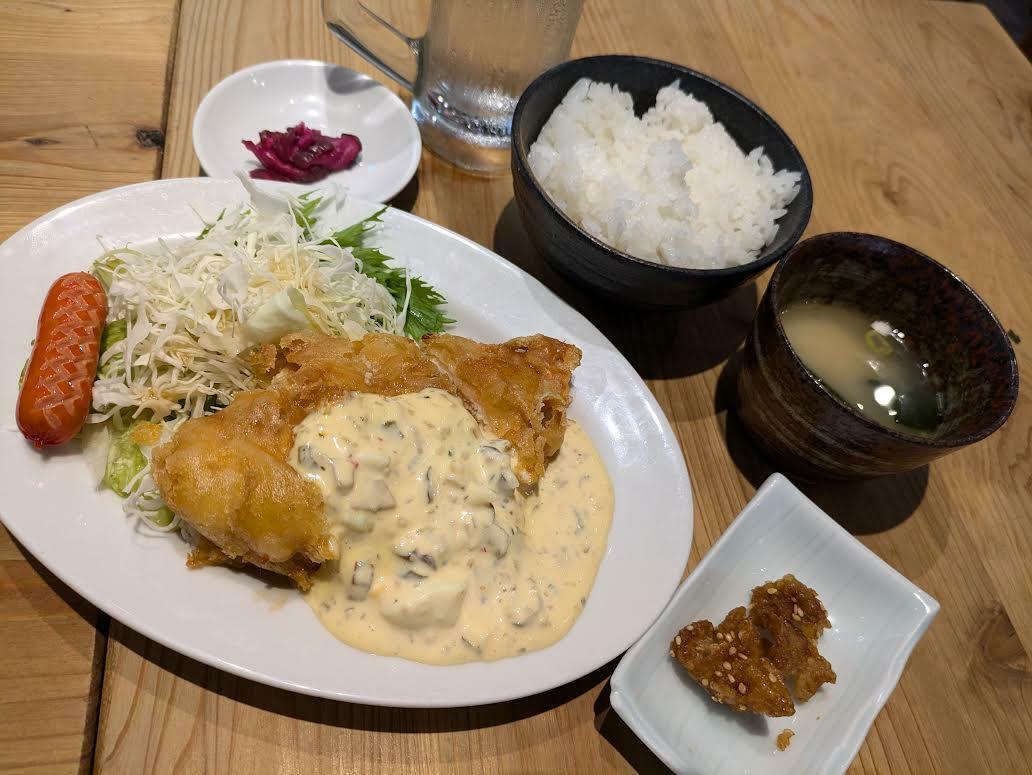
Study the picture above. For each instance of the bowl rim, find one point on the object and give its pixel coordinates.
(932, 442)
(755, 266)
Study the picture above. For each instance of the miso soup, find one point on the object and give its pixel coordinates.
(866, 363)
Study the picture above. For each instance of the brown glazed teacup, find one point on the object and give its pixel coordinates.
(814, 434)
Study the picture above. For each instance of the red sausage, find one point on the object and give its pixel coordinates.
(55, 396)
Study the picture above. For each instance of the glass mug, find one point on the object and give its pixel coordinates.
(468, 70)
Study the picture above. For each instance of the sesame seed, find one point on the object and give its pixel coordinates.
(690, 628)
(677, 640)
(795, 617)
(705, 682)
(720, 636)
(771, 591)
(741, 688)
(741, 707)
(742, 656)
(718, 674)
(773, 677)
(727, 665)
(732, 651)
(714, 698)
(731, 635)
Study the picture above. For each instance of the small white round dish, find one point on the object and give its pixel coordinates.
(332, 99)
(234, 621)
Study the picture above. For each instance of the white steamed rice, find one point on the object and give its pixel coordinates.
(671, 187)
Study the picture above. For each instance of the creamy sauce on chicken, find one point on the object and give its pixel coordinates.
(443, 559)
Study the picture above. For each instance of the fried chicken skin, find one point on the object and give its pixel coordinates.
(227, 474)
(794, 617)
(728, 662)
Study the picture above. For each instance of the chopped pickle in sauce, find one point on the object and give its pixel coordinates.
(444, 559)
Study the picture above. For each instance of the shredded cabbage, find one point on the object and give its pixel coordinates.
(183, 313)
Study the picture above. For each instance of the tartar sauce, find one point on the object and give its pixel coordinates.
(443, 558)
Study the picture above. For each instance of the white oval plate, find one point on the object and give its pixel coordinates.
(231, 620)
(332, 99)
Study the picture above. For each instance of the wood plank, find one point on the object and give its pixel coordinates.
(913, 118)
(51, 659)
(80, 80)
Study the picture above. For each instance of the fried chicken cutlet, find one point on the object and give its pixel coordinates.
(227, 474)
(519, 390)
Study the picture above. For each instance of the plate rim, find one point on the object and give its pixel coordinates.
(205, 105)
(220, 662)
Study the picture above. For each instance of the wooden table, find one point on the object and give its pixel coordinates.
(915, 122)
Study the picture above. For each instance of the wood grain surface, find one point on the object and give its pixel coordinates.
(82, 88)
(915, 121)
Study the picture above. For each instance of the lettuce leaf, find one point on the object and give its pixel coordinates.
(114, 333)
(124, 461)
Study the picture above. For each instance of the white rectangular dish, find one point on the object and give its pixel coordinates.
(877, 617)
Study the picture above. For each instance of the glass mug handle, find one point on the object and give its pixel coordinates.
(375, 39)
